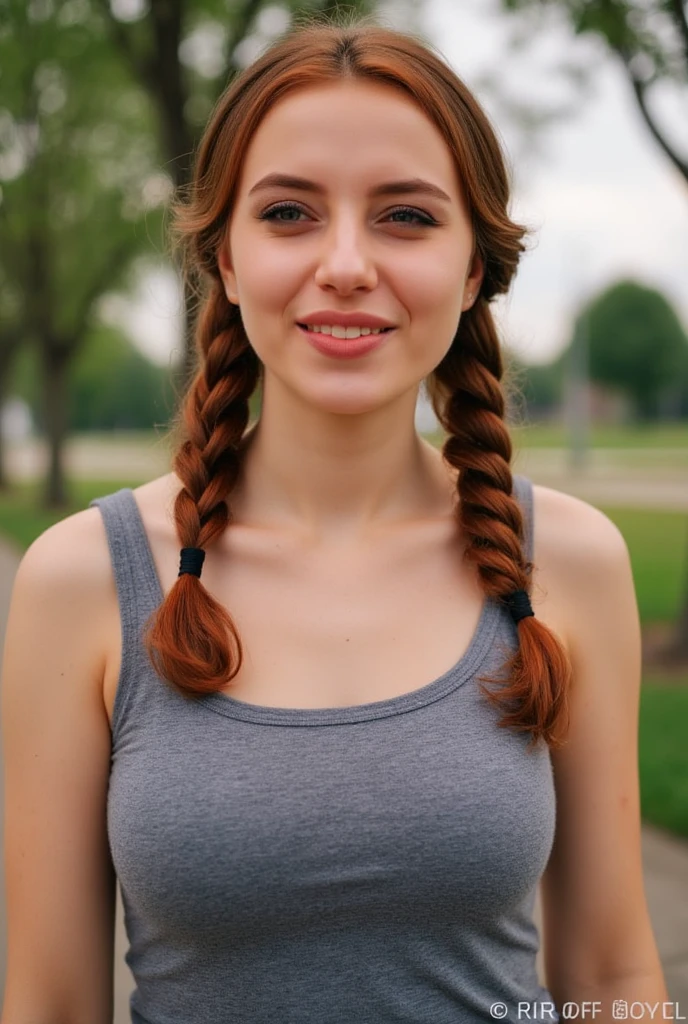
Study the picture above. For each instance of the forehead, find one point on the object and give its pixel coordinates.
(346, 131)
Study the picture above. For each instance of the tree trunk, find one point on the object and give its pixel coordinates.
(9, 347)
(55, 363)
(4, 480)
(4, 376)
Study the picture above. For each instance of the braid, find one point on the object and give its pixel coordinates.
(193, 642)
(469, 402)
(187, 639)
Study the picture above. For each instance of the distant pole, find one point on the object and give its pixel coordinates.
(579, 396)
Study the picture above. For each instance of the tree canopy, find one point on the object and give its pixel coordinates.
(650, 40)
(636, 345)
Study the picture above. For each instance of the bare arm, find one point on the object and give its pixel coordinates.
(60, 882)
(599, 943)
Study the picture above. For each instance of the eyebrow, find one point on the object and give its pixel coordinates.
(388, 188)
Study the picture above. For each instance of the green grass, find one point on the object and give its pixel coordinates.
(663, 755)
(543, 435)
(556, 435)
(658, 545)
(22, 519)
(529, 435)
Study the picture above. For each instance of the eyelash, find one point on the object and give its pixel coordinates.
(269, 214)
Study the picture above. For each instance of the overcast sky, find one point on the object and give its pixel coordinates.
(604, 200)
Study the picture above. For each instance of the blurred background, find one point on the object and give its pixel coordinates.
(101, 105)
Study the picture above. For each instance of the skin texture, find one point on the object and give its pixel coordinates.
(336, 449)
(335, 480)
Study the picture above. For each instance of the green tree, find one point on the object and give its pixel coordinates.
(543, 386)
(114, 387)
(10, 338)
(650, 40)
(111, 386)
(76, 170)
(636, 345)
(182, 53)
(648, 37)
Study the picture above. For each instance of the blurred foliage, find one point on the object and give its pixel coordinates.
(653, 28)
(635, 444)
(542, 386)
(663, 755)
(77, 185)
(111, 385)
(650, 40)
(76, 163)
(114, 387)
(638, 346)
(657, 542)
(183, 53)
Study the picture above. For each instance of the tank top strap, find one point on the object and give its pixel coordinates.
(139, 594)
(523, 492)
(136, 578)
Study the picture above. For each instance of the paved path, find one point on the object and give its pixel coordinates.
(665, 859)
(644, 477)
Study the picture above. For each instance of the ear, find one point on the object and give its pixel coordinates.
(224, 264)
(473, 281)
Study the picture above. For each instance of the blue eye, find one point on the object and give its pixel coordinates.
(273, 214)
(424, 218)
(270, 214)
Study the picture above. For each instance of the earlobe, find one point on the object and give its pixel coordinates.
(227, 274)
(474, 279)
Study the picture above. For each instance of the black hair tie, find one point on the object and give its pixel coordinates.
(519, 605)
(191, 561)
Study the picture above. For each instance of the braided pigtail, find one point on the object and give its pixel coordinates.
(470, 404)
(192, 640)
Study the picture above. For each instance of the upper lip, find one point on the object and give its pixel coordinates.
(331, 317)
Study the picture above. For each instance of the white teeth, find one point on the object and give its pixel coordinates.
(344, 332)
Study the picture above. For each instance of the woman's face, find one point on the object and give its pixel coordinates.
(355, 236)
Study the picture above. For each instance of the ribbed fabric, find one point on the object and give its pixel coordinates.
(374, 864)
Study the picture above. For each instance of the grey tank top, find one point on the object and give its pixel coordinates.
(374, 864)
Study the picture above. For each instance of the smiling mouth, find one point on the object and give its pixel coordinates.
(370, 332)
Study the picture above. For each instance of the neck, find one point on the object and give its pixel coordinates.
(340, 477)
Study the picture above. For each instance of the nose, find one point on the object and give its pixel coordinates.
(345, 263)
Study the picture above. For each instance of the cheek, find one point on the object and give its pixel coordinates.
(432, 293)
(267, 272)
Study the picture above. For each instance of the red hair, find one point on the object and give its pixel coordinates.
(192, 640)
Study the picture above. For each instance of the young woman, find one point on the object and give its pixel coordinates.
(329, 702)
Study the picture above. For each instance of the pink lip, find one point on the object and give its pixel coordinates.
(344, 348)
(332, 317)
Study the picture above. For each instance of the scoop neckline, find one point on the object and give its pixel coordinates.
(474, 655)
(479, 645)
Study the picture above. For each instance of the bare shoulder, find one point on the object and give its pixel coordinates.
(581, 562)
(72, 553)
(56, 752)
(596, 925)
(571, 530)
(64, 585)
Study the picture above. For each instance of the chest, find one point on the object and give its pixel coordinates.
(349, 624)
(435, 815)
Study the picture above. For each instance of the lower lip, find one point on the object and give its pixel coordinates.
(345, 348)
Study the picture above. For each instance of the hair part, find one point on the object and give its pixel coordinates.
(192, 641)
